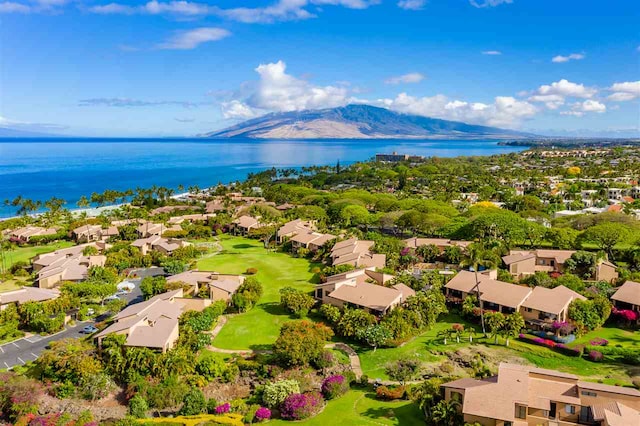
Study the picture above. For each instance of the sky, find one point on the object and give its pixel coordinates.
(180, 68)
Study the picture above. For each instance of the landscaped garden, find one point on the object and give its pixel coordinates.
(358, 407)
(259, 327)
(26, 253)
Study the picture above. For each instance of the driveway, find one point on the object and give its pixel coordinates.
(27, 349)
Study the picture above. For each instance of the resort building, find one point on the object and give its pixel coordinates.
(244, 224)
(163, 245)
(627, 296)
(65, 265)
(220, 286)
(312, 241)
(215, 206)
(522, 263)
(169, 209)
(357, 254)
(539, 306)
(363, 289)
(294, 227)
(176, 220)
(149, 229)
(27, 294)
(529, 396)
(90, 233)
(151, 324)
(441, 243)
(23, 235)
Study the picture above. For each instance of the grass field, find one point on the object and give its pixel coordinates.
(615, 336)
(259, 327)
(359, 407)
(427, 348)
(24, 254)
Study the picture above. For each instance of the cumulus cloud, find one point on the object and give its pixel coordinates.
(488, 3)
(505, 111)
(12, 7)
(571, 57)
(413, 77)
(128, 103)
(492, 52)
(186, 40)
(281, 10)
(550, 101)
(567, 88)
(412, 4)
(235, 109)
(626, 91)
(579, 109)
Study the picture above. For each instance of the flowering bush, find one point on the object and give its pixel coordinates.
(390, 393)
(300, 406)
(562, 327)
(549, 343)
(405, 251)
(263, 413)
(595, 356)
(458, 327)
(334, 386)
(539, 340)
(558, 347)
(599, 341)
(626, 314)
(223, 409)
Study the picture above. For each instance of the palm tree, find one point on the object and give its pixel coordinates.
(476, 256)
(446, 413)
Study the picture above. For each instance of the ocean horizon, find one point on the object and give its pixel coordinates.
(67, 168)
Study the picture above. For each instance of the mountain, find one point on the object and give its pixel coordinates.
(9, 132)
(357, 122)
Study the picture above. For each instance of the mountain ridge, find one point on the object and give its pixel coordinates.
(357, 121)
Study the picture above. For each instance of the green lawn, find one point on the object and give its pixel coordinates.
(14, 284)
(26, 253)
(615, 336)
(359, 407)
(260, 326)
(427, 348)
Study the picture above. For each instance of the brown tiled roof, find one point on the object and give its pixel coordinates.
(28, 294)
(629, 292)
(517, 257)
(608, 388)
(553, 300)
(494, 291)
(371, 296)
(152, 335)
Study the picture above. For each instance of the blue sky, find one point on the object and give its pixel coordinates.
(159, 68)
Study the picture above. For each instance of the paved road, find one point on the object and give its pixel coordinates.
(27, 349)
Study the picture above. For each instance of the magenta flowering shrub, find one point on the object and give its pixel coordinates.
(334, 386)
(562, 327)
(223, 409)
(599, 341)
(558, 347)
(626, 314)
(300, 406)
(538, 340)
(263, 414)
(595, 356)
(405, 251)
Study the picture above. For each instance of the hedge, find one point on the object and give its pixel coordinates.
(557, 347)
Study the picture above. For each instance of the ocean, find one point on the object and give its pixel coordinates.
(69, 168)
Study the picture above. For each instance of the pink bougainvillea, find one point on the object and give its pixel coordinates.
(223, 409)
(263, 413)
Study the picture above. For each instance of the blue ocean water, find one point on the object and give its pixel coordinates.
(68, 168)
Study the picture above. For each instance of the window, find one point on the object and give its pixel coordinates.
(456, 396)
(588, 393)
(319, 293)
(508, 424)
(570, 409)
(521, 412)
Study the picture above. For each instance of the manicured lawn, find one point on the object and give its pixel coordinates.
(259, 327)
(615, 336)
(24, 254)
(425, 345)
(13, 284)
(359, 407)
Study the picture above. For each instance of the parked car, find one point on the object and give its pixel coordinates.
(112, 297)
(91, 312)
(89, 329)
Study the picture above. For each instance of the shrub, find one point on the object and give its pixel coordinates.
(330, 312)
(275, 393)
(211, 405)
(263, 414)
(251, 271)
(599, 341)
(557, 347)
(194, 403)
(595, 356)
(300, 406)
(334, 386)
(138, 407)
(390, 393)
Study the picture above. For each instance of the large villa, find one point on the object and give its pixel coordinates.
(528, 396)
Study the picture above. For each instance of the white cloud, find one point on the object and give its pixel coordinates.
(186, 40)
(12, 7)
(281, 10)
(579, 109)
(413, 77)
(235, 109)
(505, 111)
(550, 101)
(567, 88)
(626, 91)
(412, 4)
(492, 52)
(488, 3)
(570, 57)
